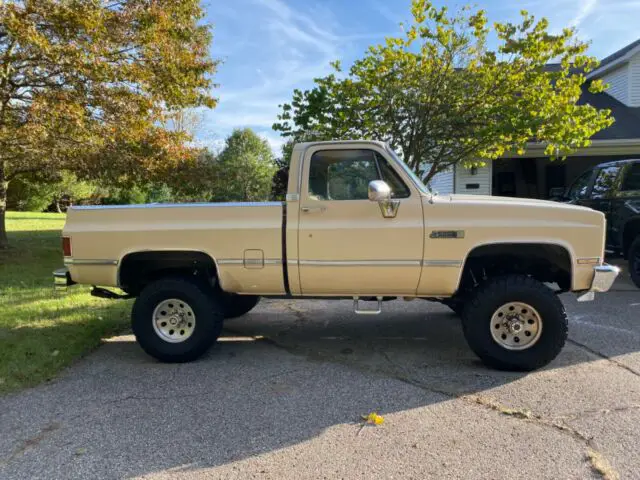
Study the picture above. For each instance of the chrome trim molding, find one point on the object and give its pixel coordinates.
(250, 261)
(230, 261)
(442, 263)
(89, 261)
(347, 263)
(360, 263)
(178, 205)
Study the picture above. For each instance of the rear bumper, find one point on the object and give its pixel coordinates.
(62, 278)
(603, 278)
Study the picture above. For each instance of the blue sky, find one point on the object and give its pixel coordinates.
(270, 47)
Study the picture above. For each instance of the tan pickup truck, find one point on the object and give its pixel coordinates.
(356, 224)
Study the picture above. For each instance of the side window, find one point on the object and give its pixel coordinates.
(632, 179)
(605, 182)
(579, 188)
(398, 188)
(345, 175)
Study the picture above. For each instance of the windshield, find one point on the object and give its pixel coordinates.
(414, 178)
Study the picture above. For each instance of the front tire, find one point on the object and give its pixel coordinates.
(515, 323)
(634, 261)
(176, 320)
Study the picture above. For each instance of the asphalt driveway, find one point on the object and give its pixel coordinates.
(282, 394)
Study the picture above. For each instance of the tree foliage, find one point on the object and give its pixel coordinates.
(85, 86)
(440, 96)
(35, 193)
(244, 169)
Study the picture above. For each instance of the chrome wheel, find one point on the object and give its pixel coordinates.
(174, 320)
(516, 326)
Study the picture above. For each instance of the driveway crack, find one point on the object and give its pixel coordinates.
(32, 442)
(604, 357)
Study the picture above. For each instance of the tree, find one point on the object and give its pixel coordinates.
(280, 181)
(36, 192)
(244, 169)
(85, 86)
(441, 96)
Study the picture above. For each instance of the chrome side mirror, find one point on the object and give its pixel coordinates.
(380, 192)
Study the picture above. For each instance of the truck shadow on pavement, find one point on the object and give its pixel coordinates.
(280, 376)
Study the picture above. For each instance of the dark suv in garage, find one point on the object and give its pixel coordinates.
(614, 189)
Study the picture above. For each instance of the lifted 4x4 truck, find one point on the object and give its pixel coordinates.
(356, 224)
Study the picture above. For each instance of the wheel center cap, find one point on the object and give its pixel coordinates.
(515, 326)
(173, 320)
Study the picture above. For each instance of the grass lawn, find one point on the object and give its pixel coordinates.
(42, 331)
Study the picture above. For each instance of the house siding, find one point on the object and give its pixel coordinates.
(442, 182)
(634, 81)
(465, 181)
(618, 81)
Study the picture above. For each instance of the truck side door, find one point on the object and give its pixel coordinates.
(346, 245)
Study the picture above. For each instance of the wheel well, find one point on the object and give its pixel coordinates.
(544, 262)
(140, 268)
(631, 231)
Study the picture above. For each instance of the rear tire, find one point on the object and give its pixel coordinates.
(176, 320)
(515, 323)
(634, 261)
(237, 305)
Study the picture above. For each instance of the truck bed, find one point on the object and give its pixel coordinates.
(250, 236)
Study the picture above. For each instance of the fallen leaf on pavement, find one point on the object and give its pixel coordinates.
(373, 419)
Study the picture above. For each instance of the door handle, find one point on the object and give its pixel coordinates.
(313, 209)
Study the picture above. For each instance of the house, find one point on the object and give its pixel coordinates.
(533, 175)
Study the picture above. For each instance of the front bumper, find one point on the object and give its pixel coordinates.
(62, 279)
(603, 278)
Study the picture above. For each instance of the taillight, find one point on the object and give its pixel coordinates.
(66, 246)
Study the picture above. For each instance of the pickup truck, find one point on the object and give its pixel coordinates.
(614, 189)
(357, 224)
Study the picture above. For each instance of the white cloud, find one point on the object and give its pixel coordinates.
(585, 8)
(390, 14)
(284, 48)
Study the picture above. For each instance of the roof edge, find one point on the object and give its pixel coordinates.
(621, 146)
(602, 69)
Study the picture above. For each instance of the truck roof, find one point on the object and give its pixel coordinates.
(339, 142)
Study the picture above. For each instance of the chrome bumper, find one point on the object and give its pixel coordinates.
(62, 279)
(603, 278)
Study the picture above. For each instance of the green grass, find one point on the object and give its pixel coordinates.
(42, 331)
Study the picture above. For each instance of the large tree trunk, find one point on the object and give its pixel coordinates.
(4, 241)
